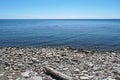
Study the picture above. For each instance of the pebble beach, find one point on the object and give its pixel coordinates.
(18, 63)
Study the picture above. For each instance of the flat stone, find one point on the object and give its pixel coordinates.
(65, 69)
(77, 71)
(58, 60)
(6, 68)
(84, 71)
(113, 53)
(36, 78)
(84, 78)
(34, 59)
(91, 77)
(21, 53)
(10, 77)
(49, 54)
(75, 60)
(30, 62)
(1, 74)
(95, 68)
(20, 65)
(17, 79)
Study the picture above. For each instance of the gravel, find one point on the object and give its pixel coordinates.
(18, 63)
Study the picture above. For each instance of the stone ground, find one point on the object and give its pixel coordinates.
(28, 63)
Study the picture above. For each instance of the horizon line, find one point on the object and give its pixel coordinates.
(60, 18)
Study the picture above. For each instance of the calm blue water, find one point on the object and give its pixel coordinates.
(103, 34)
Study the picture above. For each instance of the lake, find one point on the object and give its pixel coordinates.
(79, 33)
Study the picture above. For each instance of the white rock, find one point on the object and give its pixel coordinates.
(90, 64)
(65, 69)
(26, 74)
(77, 71)
(21, 53)
(113, 53)
(95, 68)
(6, 68)
(84, 72)
(1, 74)
(17, 79)
(33, 73)
(37, 78)
(84, 78)
(34, 59)
(91, 77)
(20, 64)
(49, 54)
(10, 77)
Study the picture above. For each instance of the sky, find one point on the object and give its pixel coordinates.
(59, 9)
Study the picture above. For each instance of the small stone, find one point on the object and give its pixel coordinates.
(33, 73)
(117, 77)
(75, 60)
(90, 64)
(84, 72)
(75, 51)
(10, 77)
(6, 68)
(63, 54)
(91, 77)
(58, 60)
(1, 74)
(109, 78)
(30, 62)
(45, 63)
(116, 72)
(20, 65)
(113, 53)
(16, 68)
(61, 67)
(65, 69)
(26, 74)
(17, 79)
(77, 71)
(95, 68)
(84, 78)
(36, 78)
(107, 52)
(86, 52)
(21, 53)
(49, 54)
(34, 59)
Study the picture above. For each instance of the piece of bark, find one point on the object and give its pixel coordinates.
(57, 74)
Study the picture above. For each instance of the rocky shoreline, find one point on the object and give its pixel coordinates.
(28, 63)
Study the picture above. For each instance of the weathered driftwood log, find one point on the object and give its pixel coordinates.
(57, 74)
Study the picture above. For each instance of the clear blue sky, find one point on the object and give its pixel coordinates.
(39, 9)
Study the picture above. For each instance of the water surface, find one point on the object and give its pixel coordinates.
(81, 33)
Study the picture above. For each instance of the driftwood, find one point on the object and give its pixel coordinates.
(57, 74)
